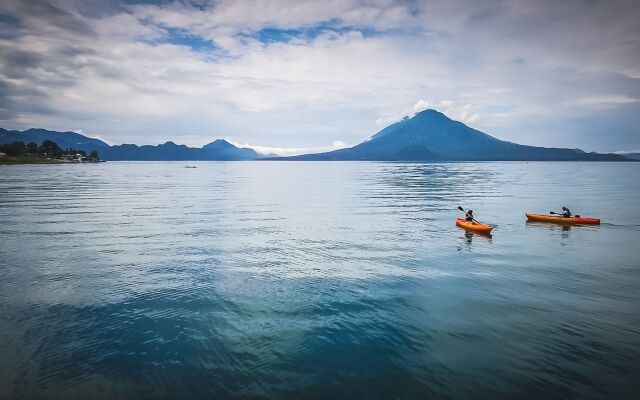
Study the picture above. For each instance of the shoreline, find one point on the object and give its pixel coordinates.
(27, 161)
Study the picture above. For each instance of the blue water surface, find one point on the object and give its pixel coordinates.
(317, 280)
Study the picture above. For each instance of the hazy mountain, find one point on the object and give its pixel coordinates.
(226, 150)
(428, 136)
(169, 151)
(63, 139)
(431, 136)
(632, 156)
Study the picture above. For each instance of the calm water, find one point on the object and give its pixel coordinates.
(317, 280)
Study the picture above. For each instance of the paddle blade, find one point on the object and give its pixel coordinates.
(460, 208)
(552, 212)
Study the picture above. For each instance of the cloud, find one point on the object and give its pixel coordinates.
(607, 101)
(637, 151)
(290, 151)
(463, 113)
(296, 74)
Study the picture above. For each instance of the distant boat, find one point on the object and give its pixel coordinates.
(190, 166)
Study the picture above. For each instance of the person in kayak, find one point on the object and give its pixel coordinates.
(566, 213)
(469, 217)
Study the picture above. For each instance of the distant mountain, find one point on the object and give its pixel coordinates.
(63, 139)
(427, 136)
(632, 156)
(169, 151)
(431, 136)
(226, 150)
(217, 150)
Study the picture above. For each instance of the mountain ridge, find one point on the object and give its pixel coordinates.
(432, 136)
(632, 155)
(428, 136)
(218, 150)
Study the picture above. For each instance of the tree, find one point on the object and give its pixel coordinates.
(14, 149)
(50, 148)
(94, 155)
(32, 148)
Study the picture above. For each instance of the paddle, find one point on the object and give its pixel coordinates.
(474, 220)
(555, 213)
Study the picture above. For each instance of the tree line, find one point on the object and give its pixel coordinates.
(48, 149)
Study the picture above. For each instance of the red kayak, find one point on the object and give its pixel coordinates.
(562, 220)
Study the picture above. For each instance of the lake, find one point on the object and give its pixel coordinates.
(318, 280)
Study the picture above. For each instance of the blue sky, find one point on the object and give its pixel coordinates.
(291, 76)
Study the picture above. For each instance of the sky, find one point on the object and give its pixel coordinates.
(295, 76)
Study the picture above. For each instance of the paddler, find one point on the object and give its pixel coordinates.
(566, 213)
(469, 217)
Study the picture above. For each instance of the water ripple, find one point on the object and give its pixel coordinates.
(327, 280)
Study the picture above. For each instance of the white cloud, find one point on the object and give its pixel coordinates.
(290, 151)
(463, 113)
(125, 81)
(606, 101)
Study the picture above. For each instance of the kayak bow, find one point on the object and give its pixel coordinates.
(562, 220)
(482, 228)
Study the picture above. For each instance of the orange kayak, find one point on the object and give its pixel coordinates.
(482, 228)
(562, 220)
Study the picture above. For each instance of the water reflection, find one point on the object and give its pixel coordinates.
(469, 237)
(314, 280)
